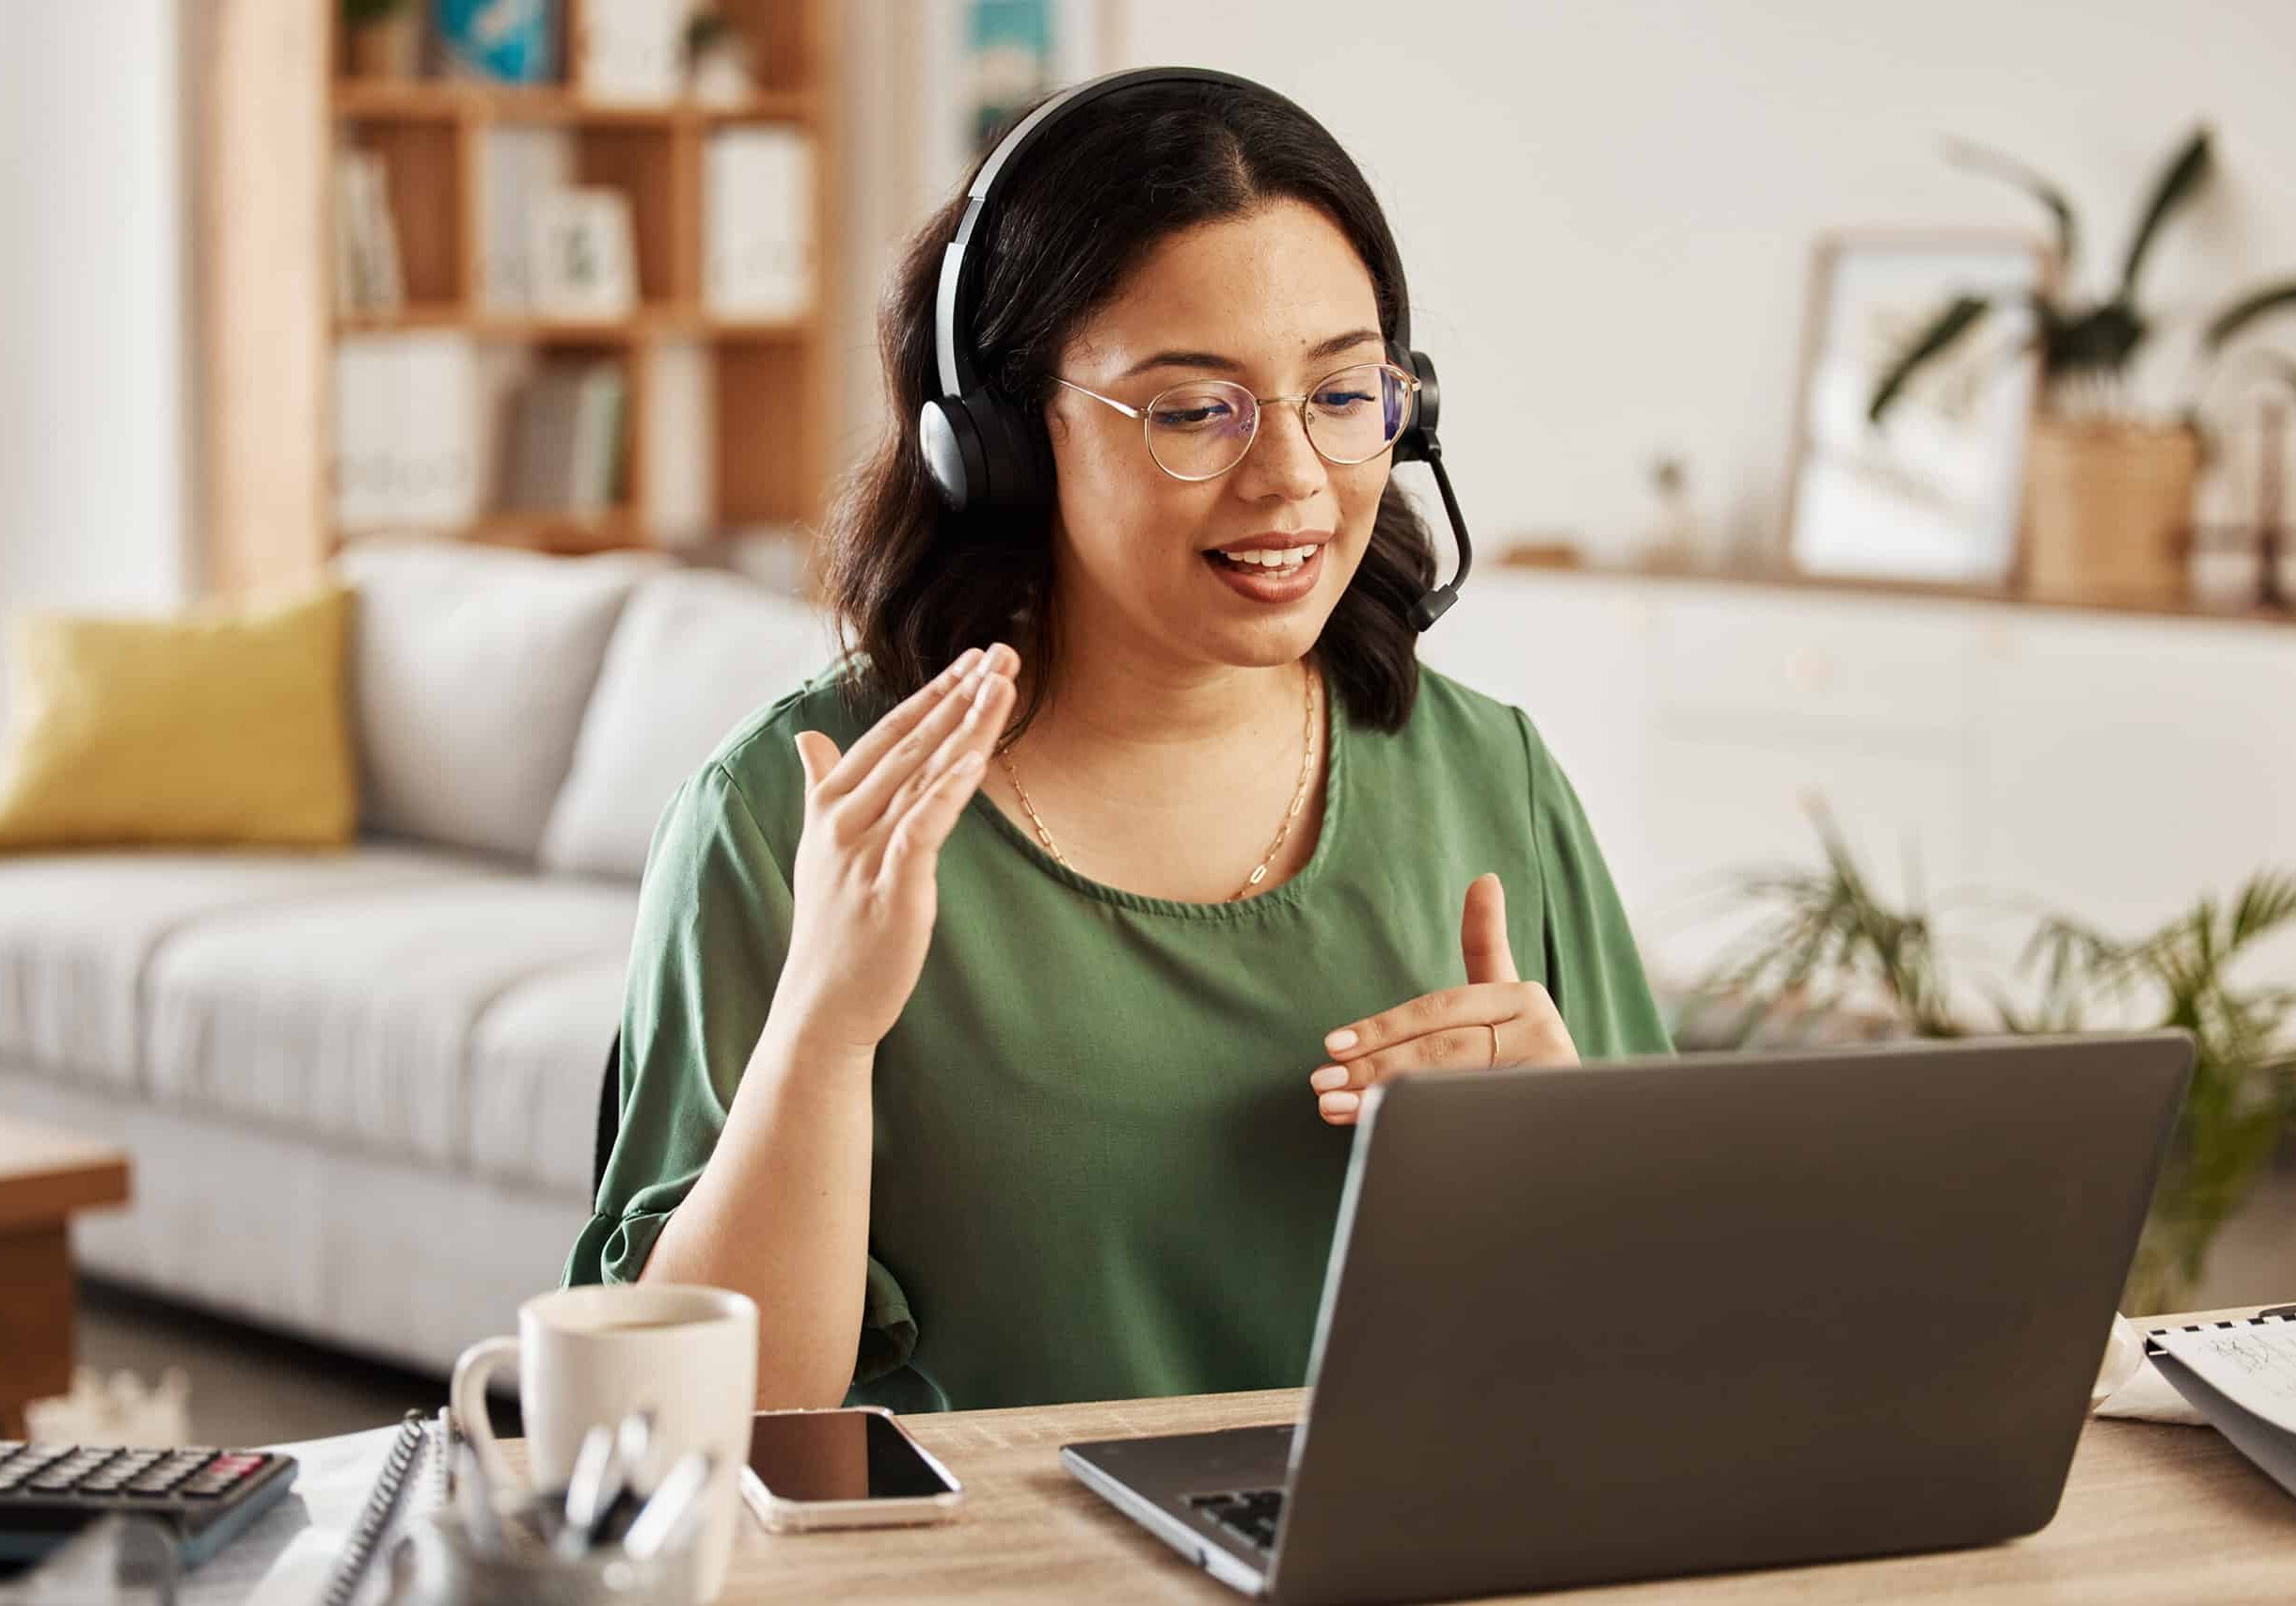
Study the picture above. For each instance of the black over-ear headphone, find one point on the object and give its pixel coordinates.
(986, 453)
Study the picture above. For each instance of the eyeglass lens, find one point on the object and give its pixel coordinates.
(1203, 427)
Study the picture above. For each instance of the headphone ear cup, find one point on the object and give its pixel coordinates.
(952, 449)
(984, 454)
(1411, 446)
(1013, 442)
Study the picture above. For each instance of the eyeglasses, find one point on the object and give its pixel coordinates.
(1201, 428)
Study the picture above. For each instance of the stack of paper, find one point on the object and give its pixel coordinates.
(2241, 1375)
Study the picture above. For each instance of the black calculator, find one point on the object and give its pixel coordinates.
(48, 1492)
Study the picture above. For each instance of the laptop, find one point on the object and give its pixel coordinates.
(1668, 1315)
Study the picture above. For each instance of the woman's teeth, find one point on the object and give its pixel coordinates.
(1288, 557)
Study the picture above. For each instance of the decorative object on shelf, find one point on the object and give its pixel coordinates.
(757, 207)
(384, 37)
(2261, 552)
(2110, 509)
(1934, 497)
(504, 42)
(722, 65)
(368, 277)
(1674, 541)
(583, 262)
(1831, 944)
(630, 52)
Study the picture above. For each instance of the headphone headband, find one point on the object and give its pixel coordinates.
(960, 266)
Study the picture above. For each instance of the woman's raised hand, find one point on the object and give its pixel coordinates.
(1496, 1019)
(875, 819)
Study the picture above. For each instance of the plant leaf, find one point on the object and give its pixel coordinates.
(1947, 328)
(1979, 159)
(2178, 181)
(2237, 316)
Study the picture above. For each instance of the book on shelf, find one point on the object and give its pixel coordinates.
(565, 451)
(518, 165)
(366, 271)
(404, 428)
(757, 213)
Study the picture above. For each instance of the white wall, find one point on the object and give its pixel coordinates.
(93, 504)
(1606, 206)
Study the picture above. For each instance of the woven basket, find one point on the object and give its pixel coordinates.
(2109, 510)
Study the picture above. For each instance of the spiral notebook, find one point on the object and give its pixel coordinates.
(2241, 1375)
(414, 1480)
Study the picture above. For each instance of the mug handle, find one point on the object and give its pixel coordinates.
(466, 1397)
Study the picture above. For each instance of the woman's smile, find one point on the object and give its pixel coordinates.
(1283, 581)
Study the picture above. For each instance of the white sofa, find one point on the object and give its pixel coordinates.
(359, 1089)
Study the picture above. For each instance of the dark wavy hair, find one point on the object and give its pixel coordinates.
(912, 585)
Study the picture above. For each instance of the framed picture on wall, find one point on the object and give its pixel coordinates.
(985, 59)
(1935, 490)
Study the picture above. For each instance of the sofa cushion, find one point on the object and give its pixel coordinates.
(693, 654)
(537, 1055)
(78, 932)
(471, 669)
(353, 1019)
(223, 725)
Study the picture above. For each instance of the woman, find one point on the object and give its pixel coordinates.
(998, 1024)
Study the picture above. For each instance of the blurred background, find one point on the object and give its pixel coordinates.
(1873, 422)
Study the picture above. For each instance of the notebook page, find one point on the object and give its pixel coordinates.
(2252, 1364)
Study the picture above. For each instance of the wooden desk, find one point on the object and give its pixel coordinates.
(2151, 1513)
(44, 1176)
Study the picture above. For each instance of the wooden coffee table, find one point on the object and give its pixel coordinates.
(44, 1176)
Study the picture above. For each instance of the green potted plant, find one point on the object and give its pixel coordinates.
(384, 37)
(2109, 492)
(1829, 943)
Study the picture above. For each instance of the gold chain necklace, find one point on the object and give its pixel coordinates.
(1299, 797)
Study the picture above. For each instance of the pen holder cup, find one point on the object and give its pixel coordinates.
(437, 1563)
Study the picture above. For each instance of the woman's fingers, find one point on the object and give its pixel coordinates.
(864, 805)
(1506, 1024)
(881, 737)
(915, 843)
(977, 732)
(1429, 1014)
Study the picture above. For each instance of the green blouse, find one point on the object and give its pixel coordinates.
(1098, 1170)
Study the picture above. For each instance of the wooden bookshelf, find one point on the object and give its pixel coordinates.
(277, 99)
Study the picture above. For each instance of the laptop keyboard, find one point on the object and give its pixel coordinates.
(1251, 1513)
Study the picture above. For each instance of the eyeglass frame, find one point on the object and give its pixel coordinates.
(1259, 404)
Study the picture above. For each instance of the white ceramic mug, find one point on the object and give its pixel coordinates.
(592, 1355)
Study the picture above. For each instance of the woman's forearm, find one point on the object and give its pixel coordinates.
(781, 1213)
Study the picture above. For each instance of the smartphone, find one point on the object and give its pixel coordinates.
(843, 1467)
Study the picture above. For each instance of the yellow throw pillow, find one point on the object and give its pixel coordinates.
(214, 727)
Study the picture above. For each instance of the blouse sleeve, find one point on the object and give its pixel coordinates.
(713, 915)
(1592, 967)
